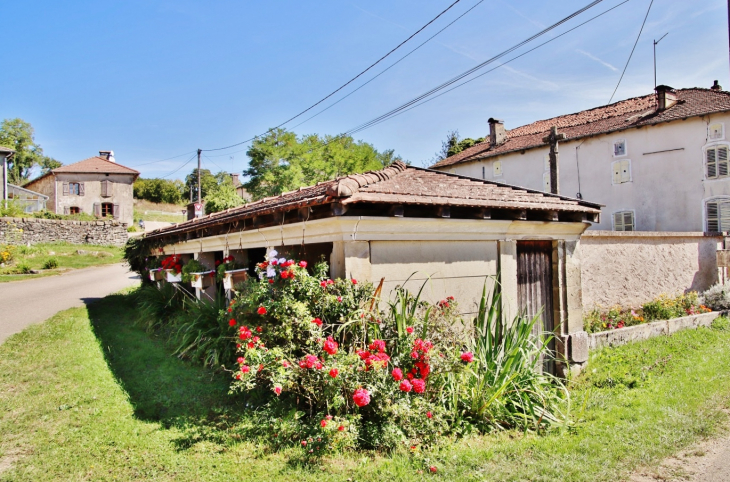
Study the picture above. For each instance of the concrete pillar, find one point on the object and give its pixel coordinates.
(571, 339)
(337, 260)
(357, 260)
(508, 279)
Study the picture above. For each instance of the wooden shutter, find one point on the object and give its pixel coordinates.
(65, 189)
(625, 171)
(628, 221)
(104, 188)
(65, 210)
(97, 210)
(616, 172)
(713, 217)
(81, 189)
(116, 211)
(618, 221)
(711, 156)
(723, 211)
(722, 167)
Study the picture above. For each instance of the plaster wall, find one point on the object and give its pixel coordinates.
(668, 186)
(632, 268)
(122, 193)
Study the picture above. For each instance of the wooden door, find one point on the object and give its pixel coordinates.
(535, 290)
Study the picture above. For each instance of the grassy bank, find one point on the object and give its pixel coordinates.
(66, 256)
(149, 211)
(89, 396)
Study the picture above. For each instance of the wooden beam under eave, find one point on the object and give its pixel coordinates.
(303, 214)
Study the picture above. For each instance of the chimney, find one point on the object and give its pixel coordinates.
(497, 134)
(666, 97)
(235, 181)
(108, 155)
(716, 86)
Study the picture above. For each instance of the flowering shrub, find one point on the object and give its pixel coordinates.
(662, 308)
(172, 262)
(7, 253)
(227, 264)
(717, 297)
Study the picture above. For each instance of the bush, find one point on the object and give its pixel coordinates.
(22, 268)
(50, 263)
(11, 209)
(7, 253)
(718, 297)
(132, 229)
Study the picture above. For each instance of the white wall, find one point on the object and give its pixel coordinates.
(667, 190)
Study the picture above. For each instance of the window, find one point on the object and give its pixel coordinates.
(623, 221)
(73, 188)
(619, 148)
(717, 213)
(716, 160)
(106, 188)
(107, 209)
(74, 210)
(621, 171)
(497, 168)
(716, 132)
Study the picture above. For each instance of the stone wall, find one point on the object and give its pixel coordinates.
(31, 230)
(631, 268)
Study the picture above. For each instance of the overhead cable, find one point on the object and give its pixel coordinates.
(632, 50)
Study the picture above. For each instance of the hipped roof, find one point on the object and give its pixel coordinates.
(92, 165)
(395, 185)
(635, 112)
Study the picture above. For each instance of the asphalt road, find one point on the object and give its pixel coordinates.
(23, 303)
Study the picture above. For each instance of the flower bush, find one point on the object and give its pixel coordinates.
(662, 308)
(717, 297)
(329, 369)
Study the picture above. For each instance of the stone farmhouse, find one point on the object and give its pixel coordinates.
(97, 185)
(406, 226)
(659, 162)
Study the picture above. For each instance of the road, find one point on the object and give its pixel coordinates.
(23, 303)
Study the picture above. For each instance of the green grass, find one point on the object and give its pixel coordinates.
(149, 211)
(90, 396)
(36, 256)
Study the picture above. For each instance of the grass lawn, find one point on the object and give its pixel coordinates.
(89, 396)
(36, 255)
(149, 211)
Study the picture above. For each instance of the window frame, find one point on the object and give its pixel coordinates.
(706, 217)
(623, 213)
(722, 135)
(705, 162)
(71, 210)
(107, 206)
(631, 174)
(626, 148)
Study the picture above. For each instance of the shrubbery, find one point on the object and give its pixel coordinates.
(325, 368)
(718, 297)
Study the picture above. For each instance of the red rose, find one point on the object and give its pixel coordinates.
(409, 330)
(377, 345)
(397, 374)
(317, 322)
(323, 284)
(429, 414)
(251, 345)
(467, 357)
(405, 386)
(241, 360)
(304, 443)
(323, 423)
(433, 469)
(229, 310)
(285, 364)
(231, 322)
(271, 281)
(341, 428)
(259, 329)
(414, 355)
(419, 386)
(245, 368)
(354, 281)
(339, 299)
(334, 372)
(261, 310)
(277, 390)
(361, 397)
(238, 376)
(330, 346)
(302, 264)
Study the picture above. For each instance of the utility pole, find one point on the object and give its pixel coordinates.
(199, 151)
(655, 44)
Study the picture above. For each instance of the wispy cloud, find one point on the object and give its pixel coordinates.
(593, 57)
(536, 82)
(519, 13)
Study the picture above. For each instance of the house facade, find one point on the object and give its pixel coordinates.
(657, 162)
(97, 186)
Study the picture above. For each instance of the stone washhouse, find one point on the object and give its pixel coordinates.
(410, 225)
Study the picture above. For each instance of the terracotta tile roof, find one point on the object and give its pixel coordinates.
(96, 164)
(636, 112)
(396, 184)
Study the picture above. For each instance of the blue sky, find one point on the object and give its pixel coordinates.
(154, 79)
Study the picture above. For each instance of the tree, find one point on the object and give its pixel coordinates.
(207, 182)
(221, 197)
(279, 161)
(159, 190)
(453, 145)
(20, 136)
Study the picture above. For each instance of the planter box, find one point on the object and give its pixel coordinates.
(233, 277)
(172, 277)
(157, 274)
(202, 280)
(621, 336)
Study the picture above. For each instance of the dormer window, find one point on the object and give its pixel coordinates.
(619, 148)
(716, 161)
(716, 131)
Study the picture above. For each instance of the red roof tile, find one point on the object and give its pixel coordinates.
(396, 184)
(96, 164)
(636, 112)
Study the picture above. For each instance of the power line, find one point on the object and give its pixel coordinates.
(161, 160)
(346, 83)
(391, 65)
(502, 64)
(632, 50)
(472, 70)
(211, 160)
(185, 164)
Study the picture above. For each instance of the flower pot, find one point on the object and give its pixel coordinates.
(233, 277)
(172, 277)
(157, 274)
(202, 280)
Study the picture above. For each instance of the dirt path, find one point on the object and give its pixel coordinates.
(707, 461)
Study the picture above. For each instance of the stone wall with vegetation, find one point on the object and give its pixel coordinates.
(632, 268)
(31, 230)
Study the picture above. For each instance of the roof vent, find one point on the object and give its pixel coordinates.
(497, 134)
(716, 86)
(666, 97)
(108, 155)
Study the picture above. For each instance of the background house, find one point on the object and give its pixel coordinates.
(97, 186)
(29, 200)
(657, 162)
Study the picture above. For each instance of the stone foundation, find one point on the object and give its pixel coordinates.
(33, 231)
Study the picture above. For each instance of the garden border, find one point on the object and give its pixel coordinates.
(622, 336)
